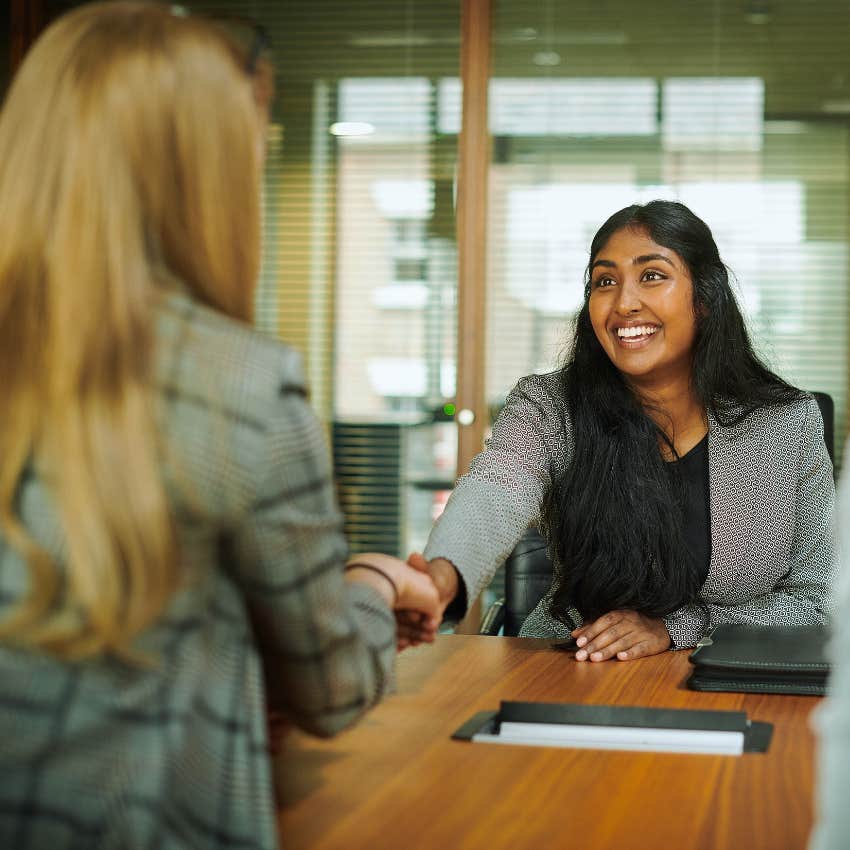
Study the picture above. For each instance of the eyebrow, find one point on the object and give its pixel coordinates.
(643, 258)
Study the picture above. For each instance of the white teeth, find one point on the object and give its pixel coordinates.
(640, 330)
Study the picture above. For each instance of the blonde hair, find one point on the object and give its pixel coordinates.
(129, 145)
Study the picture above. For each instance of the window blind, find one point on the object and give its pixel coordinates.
(359, 266)
(739, 109)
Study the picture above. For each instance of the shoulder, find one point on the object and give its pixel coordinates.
(222, 364)
(544, 393)
(548, 386)
(233, 411)
(536, 402)
(793, 417)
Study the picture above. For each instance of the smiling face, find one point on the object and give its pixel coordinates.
(642, 308)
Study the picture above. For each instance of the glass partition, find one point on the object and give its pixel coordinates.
(597, 106)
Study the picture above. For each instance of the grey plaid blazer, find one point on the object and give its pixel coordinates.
(771, 499)
(99, 755)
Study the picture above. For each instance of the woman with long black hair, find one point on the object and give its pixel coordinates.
(679, 482)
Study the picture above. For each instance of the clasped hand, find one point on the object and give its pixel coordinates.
(409, 590)
(411, 627)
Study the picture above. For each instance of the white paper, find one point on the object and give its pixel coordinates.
(647, 739)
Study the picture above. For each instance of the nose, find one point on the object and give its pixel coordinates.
(628, 299)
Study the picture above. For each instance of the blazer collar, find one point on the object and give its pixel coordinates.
(730, 432)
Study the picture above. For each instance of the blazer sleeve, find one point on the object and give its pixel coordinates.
(801, 596)
(327, 645)
(501, 495)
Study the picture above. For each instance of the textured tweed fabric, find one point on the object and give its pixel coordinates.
(771, 498)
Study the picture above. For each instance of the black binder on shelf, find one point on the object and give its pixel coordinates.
(616, 727)
(762, 659)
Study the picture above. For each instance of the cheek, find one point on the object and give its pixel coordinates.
(686, 331)
(597, 321)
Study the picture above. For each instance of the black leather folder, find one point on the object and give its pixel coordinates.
(762, 659)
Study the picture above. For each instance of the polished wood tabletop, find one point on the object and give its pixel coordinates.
(397, 780)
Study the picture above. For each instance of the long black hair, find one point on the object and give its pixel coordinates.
(613, 518)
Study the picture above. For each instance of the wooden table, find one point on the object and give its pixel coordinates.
(397, 780)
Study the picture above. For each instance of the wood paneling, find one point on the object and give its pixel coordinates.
(473, 164)
(27, 19)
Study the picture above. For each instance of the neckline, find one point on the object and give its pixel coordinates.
(696, 449)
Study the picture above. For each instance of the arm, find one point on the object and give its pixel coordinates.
(832, 718)
(495, 502)
(799, 597)
(327, 642)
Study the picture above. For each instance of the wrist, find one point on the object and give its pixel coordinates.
(378, 577)
(445, 578)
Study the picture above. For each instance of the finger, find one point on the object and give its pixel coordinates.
(592, 630)
(417, 561)
(408, 619)
(415, 633)
(604, 640)
(611, 650)
(641, 649)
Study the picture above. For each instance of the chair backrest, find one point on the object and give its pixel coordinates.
(528, 575)
(528, 569)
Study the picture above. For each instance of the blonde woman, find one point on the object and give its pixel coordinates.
(167, 518)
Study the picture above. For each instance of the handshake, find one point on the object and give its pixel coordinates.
(418, 591)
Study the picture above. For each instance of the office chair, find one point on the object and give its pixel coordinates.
(528, 569)
(528, 575)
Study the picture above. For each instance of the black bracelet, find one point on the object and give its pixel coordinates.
(363, 566)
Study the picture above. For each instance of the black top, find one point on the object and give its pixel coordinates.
(696, 512)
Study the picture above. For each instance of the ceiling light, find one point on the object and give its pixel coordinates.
(351, 128)
(546, 58)
(836, 107)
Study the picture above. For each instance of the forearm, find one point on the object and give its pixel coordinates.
(687, 625)
(785, 607)
(478, 530)
(326, 693)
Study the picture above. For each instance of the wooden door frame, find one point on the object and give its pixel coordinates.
(27, 18)
(473, 175)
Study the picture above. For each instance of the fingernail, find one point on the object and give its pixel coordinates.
(581, 641)
(581, 655)
(596, 656)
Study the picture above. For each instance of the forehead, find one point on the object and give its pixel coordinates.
(629, 243)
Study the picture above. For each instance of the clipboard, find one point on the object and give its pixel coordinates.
(615, 727)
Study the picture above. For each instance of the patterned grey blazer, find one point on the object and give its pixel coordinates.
(99, 755)
(771, 504)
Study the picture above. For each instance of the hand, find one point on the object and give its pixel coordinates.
(625, 634)
(416, 596)
(413, 629)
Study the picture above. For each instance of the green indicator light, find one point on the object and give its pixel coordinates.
(449, 409)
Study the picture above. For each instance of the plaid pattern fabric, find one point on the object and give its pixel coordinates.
(102, 755)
